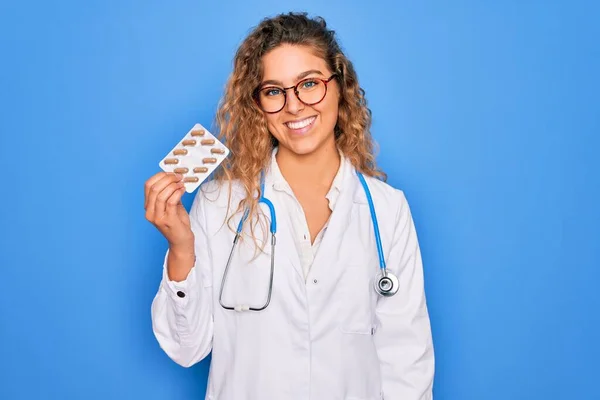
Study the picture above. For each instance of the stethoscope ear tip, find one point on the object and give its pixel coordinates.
(386, 284)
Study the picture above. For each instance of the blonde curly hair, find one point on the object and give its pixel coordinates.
(242, 126)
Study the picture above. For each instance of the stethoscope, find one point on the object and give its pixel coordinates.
(386, 283)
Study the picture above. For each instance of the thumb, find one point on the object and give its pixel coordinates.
(182, 214)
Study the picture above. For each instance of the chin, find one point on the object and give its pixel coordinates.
(307, 145)
(303, 149)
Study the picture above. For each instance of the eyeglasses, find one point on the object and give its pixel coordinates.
(310, 91)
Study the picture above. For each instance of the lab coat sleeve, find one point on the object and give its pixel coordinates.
(183, 326)
(403, 333)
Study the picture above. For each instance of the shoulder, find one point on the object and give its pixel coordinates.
(217, 196)
(386, 195)
(393, 210)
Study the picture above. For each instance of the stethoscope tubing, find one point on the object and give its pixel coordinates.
(375, 224)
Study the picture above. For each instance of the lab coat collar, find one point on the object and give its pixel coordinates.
(346, 183)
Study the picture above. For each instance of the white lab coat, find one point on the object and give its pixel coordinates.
(328, 337)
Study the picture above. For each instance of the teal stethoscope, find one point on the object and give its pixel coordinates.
(386, 283)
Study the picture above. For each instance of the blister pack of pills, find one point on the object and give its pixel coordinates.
(195, 157)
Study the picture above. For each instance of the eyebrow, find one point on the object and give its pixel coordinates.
(299, 77)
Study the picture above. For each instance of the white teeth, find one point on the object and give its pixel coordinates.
(300, 124)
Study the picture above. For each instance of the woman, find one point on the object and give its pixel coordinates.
(297, 124)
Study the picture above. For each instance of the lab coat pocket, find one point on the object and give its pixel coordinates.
(357, 300)
(380, 397)
(356, 316)
(363, 398)
(360, 367)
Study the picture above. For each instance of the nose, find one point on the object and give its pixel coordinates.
(293, 105)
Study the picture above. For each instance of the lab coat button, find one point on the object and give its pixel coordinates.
(180, 294)
(315, 281)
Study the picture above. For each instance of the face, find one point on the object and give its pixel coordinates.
(300, 128)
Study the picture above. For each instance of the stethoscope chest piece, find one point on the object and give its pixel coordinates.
(386, 284)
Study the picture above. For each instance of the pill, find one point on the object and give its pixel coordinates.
(209, 160)
(217, 151)
(208, 142)
(182, 170)
(171, 161)
(200, 170)
(180, 152)
(198, 133)
(191, 179)
(189, 142)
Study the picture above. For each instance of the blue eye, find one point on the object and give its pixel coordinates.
(309, 84)
(272, 92)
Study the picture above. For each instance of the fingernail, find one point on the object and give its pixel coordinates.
(178, 176)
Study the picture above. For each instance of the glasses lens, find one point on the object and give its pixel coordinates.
(311, 91)
(271, 99)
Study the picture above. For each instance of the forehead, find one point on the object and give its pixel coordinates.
(286, 62)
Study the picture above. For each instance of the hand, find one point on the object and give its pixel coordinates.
(165, 211)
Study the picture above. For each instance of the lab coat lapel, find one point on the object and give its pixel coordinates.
(284, 247)
(333, 247)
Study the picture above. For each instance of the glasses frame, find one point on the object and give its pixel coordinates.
(295, 87)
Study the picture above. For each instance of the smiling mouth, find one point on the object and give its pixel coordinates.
(303, 123)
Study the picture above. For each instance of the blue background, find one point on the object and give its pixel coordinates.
(487, 116)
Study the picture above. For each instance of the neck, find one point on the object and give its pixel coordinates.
(311, 171)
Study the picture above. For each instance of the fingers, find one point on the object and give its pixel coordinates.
(182, 214)
(174, 202)
(155, 186)
(149, 183)
(160, 207)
